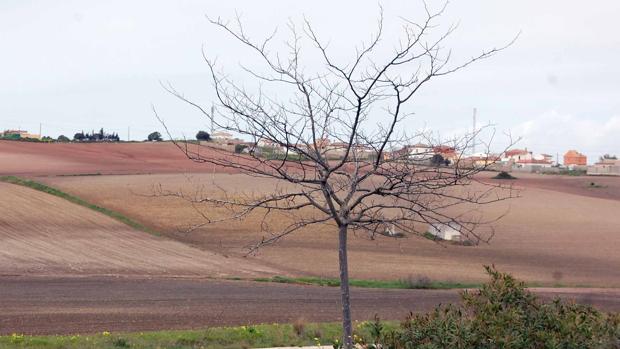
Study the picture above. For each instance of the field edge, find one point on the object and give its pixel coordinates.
(297, 334)
(78, 201)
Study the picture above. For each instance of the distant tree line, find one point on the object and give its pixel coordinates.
(608, 157)
(100, 136)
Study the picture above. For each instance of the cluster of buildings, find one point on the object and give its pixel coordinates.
(332, 150)
(606, 166)
(421, 152)
(18, 134)
(520, 160)
(523, 158)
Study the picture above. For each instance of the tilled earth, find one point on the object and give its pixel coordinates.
(69, 305)
(545, 236)
(41, 234)
(65, 269)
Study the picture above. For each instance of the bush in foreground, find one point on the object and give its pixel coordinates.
(503, 314)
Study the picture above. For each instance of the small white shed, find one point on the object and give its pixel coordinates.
(445, 231)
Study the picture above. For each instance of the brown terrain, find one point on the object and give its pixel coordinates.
(547, 236)
(46, 235)
(40, 159)
(54, 305)
(67, 269)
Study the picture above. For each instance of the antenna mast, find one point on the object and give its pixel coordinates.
(212, 117)
(473, 144)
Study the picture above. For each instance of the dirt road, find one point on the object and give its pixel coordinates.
(47, 305)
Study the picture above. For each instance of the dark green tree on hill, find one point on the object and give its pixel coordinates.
(203, 136)
(155, 137)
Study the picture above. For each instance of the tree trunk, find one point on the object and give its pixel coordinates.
(347, 328)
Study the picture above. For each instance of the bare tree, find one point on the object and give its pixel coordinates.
(337, 141)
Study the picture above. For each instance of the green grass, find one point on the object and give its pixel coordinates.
(466, 242)
(257, 336)
(271, 154)
(566, 172)
(413, 282)
(430, 236)
(410, 283)
(76, 200)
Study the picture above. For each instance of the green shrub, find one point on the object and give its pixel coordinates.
(418, 282)
(432, 236)
(504, 175)
(503, 314)
(63, 138)
(239, 148)
(12, 137)
(120, 343)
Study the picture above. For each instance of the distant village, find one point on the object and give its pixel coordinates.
(513, 160)
(517, 160)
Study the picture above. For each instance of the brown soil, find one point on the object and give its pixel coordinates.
(48, 305)
(604, 187)
(44, 235)
(547, 236)
(562, 230)
(43, 159)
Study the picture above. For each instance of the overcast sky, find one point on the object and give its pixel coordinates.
(73, 65)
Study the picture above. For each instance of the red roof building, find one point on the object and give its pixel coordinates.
(514, 152)
(575, 158)
(445, 151)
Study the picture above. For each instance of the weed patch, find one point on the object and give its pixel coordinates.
(418, 282)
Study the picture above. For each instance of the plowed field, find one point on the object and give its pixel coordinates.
(44, 235)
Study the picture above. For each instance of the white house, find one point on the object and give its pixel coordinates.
(516, 155)
(221, 136)
(271, 145)
(445, 231)
(420, 152)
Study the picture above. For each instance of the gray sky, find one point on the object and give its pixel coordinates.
(74, 65)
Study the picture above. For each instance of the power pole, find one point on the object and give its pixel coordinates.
(212, 131)
(40, 127)
(473, 144)
(212, 117)
(128, 133)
